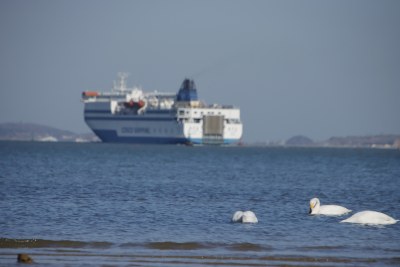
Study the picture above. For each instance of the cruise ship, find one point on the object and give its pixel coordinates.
(130, 115)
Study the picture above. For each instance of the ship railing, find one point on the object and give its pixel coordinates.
(221, 106)
(158, 94)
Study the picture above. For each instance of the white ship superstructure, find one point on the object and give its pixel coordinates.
(133, 116)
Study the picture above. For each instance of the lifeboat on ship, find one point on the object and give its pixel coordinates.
(90, 94)
(134, 104)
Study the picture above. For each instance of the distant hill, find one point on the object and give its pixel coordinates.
(299, 140)
(36, 132)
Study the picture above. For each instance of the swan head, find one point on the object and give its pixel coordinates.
(314, 206)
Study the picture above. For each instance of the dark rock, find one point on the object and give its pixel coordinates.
(24, 258)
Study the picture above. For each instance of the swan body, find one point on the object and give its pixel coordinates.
(332, 210)
(244, 217)
(370, 217)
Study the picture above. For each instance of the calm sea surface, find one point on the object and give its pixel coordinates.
(96, 204)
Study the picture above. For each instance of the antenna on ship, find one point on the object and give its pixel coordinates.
(122, 77)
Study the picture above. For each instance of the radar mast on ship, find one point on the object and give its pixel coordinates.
(122, 84)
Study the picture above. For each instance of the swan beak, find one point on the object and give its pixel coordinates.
(311, 207)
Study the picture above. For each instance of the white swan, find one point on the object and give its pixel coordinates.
(370, 217)
(237, 216)
(244, 217)
(334, 210)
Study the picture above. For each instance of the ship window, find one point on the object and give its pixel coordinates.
(181, 112)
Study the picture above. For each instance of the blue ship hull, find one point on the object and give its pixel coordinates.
(110, 136)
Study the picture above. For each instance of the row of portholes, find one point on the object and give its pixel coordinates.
(181, 112)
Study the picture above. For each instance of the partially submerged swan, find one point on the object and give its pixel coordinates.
(244, 217)
(370, 217)
(333, 210)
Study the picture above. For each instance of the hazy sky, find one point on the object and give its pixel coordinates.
(317, 68)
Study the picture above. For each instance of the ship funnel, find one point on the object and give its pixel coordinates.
(187, 92)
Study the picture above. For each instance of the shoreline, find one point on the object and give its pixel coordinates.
(203, 259)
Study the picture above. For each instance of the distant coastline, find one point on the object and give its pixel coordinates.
(372, 141)
(35, 132)
(383, 141)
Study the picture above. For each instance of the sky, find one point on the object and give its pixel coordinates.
(313, 68)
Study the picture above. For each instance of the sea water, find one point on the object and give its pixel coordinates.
(79, 204)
